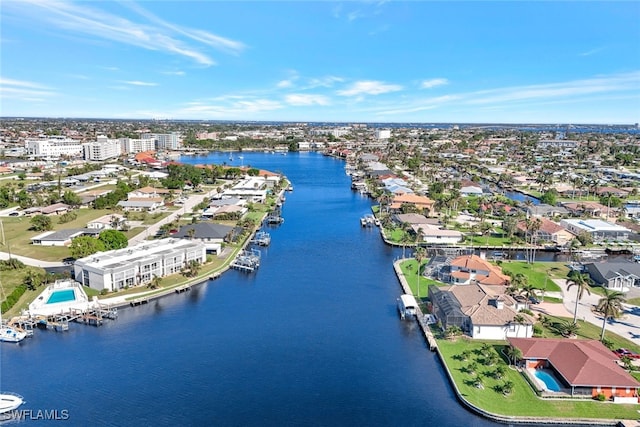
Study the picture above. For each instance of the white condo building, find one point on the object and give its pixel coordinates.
(165, 141)
(133, 145)
(136, 265)
(53, 147)
(102, 149)
(383, 133)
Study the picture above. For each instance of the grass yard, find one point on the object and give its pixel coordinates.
(633, 301)
(539, 274)
(487, 241)
(522, 401)
(410, 269)
(17, 235)
(588, 331)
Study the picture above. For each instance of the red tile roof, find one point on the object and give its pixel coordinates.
(586, 363)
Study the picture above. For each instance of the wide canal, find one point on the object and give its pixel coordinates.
(312, 338)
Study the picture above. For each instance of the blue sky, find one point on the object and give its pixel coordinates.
(385, 61)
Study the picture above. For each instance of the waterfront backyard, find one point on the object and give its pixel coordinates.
(510, 394)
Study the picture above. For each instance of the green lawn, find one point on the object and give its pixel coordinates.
(410, 270)
(589, 331)
(522, 401)
(539, 274)
(633, 301)
(17, 235)
(488, 241)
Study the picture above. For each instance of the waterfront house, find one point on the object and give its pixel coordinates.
(471, 269)
(482, 312)
(593, 209)
(211, 235)
(584, 367)
(549, 231)
(413, 219)
(618, 276)
(432, 234)
(470, 188)
(545, 210)
(422, 203)
(598, 229)
(136, 265)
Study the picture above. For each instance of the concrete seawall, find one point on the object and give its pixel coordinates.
(505, 419)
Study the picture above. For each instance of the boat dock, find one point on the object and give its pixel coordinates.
(420, 317)
(247, 261)
(262, 238)
(94, 316)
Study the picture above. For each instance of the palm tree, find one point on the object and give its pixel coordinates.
(518, 320)
(514, 354)
(582, 282)
(420, 254)
(610, 306)
(155, 282)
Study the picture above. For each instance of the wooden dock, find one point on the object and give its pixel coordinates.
(138, 301)
(182, 289)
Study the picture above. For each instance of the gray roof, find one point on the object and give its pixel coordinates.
(69, 233)
(204, 230)
(609, 270)
(225, 202)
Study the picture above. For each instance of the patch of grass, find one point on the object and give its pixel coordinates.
(633, 301)
(410, 270)
(539, 274)
(587, 331)
(17, 235)
(522, 401)
(553, 300)
(489, 241)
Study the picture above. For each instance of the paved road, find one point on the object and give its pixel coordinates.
(627, 326)
(31, 261)
(151, 230)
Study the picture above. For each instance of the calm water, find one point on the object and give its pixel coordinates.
(313, 338)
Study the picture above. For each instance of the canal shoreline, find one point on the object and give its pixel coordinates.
(504, 419)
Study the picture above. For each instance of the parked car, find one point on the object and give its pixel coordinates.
(534, 300)
(622, 352)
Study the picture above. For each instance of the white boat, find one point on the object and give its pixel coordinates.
(10, 402)
(407, 306)
(9, 334)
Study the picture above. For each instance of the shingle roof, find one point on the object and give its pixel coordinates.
(581, 362)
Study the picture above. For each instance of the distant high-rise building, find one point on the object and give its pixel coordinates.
(165, 141)
(383, 133)
(102, 149)
(53, 147)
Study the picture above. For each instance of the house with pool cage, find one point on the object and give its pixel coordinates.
(579, 368)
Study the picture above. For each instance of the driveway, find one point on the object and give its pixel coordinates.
(187, 207)
(627, 326)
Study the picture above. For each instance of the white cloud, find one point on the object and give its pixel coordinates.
(306, 99)
(283, 84)
(326, 81)
(174, 73)
(158, 35)
(603, 84)
(139, 83)
(369, 87)
(591, 52)
(428, 84)
(25, 90)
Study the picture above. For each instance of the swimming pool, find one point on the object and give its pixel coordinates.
(63, 295)
(548, 380)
